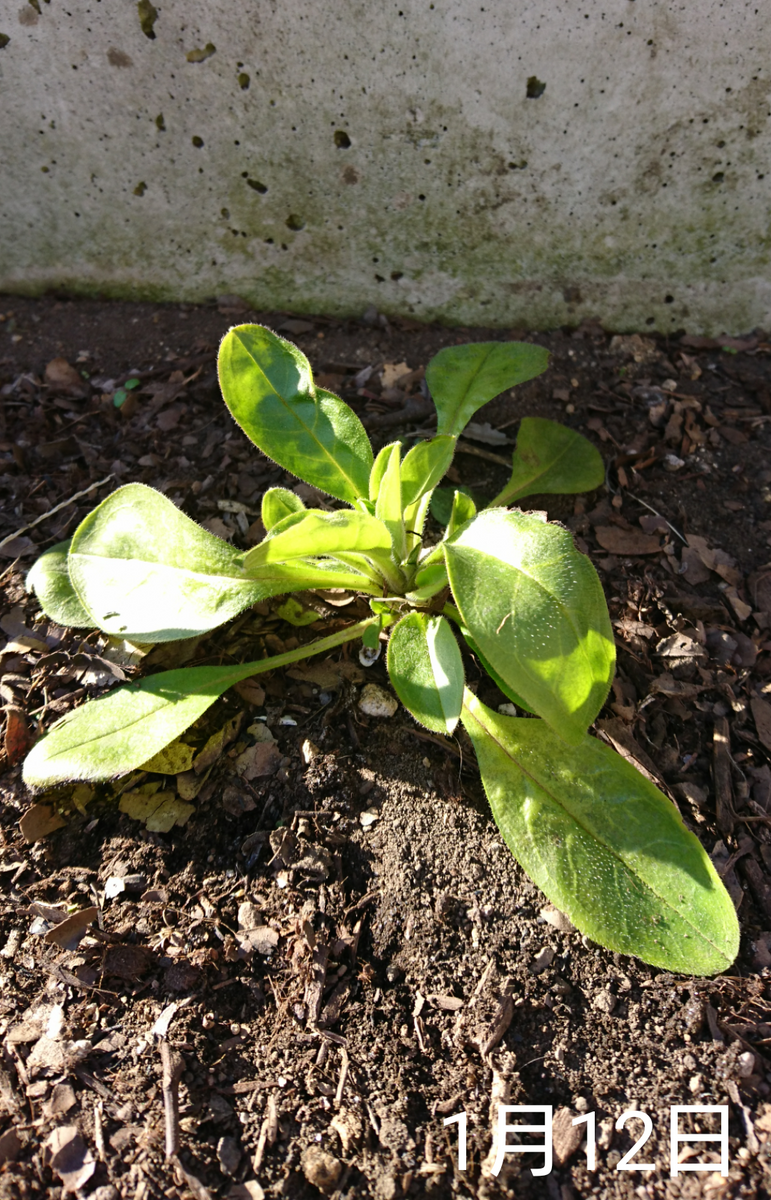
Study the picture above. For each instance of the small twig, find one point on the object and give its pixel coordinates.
(661, 517)
(477, 452)
(173, 1066)
(56, 509)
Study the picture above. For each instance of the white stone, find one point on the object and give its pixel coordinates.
(377, 702)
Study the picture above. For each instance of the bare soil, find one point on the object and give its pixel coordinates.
(290, 992)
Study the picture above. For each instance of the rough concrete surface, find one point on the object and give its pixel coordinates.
(330, 156)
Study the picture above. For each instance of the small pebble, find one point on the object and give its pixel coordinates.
(377, 702)
(695, 1084)
(542, 960)
(229, 1154)
(558, 920)
(321, 1168)
(745, 1064)
(604, 1002)
(507, 710)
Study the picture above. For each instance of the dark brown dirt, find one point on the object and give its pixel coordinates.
(400, 968)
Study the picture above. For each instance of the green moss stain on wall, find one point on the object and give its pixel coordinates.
(308, 168)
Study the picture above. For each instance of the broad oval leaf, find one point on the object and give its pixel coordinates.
(315, 532)
(121, 731)
(424, 465)
(268, 387)
(501, 684)
(549, 458)
(535, 608)
(604, 844)
(50, 580)
(463, 378)
(146, 571)
(426, 670)
(278, 503)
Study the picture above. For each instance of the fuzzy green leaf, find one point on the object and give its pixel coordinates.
(119, 732)
(388, 502)
(278, 503)
(444, 499)
(314, 532)
(535, 608)
(550, 458)
(268, 387)
(146, 571)
(424, 466)
(50, 580)
(426, 670)
(463, 378)
(604, 844)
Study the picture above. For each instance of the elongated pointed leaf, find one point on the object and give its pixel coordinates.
(315, 532)
(443, 499)
(388, 502)
(268, 387)
(121, 731)
(423, 467)
(379, 468)
(50, 580)
(426, 669)
(604, 845)
(536, 610)
(551, 458)
(463, 509)
(144, 570)
(278, 503)
(463, 378)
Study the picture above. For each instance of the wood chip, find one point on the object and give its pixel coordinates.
(626, 541)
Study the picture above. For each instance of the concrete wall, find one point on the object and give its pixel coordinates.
(326, 155)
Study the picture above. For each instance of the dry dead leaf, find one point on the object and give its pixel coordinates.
(258, 761)
(217, 743)
(71, 1158)
(68, 933)
(39, 821)
(172, 760)
(263, 939)
(251, 691)
(63, 377)
(160, 811)
(392, 372)
(626, 541)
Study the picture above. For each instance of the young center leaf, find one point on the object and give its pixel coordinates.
(463, 378)
(535, 608)
(278, 503)
(313, 532)
(388, 501)
(144, 570)
(123, 730)
(423, 467)
(268, 387)
(50, 580)
(605, 845)
(549, 457)
(426, 669)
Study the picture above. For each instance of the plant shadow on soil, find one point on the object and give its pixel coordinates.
(353, 953)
